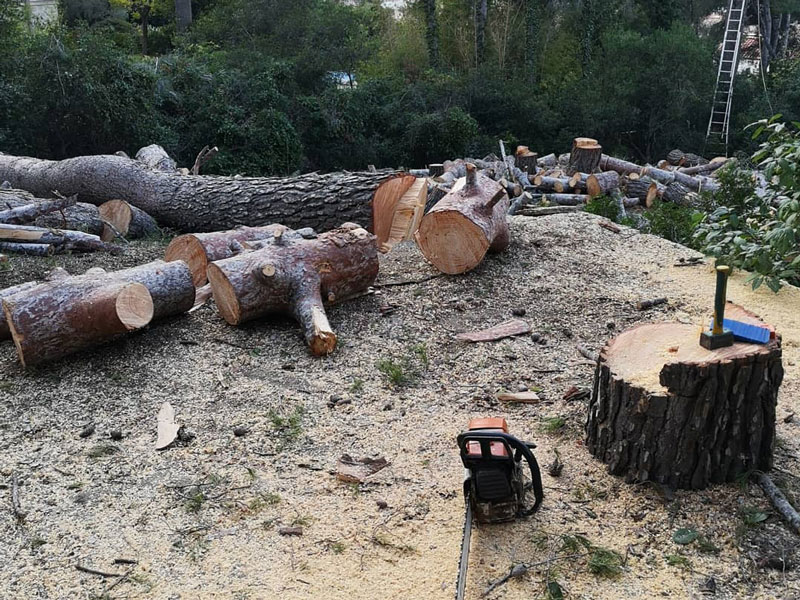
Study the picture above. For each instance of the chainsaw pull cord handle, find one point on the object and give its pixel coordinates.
(485, 437)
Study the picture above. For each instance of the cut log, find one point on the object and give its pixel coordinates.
(131, 222)
(715, 164)
(81, 217)
(585, 156)
(5, 332)
(62, 240)
(598, 184)
(27, 249)
(203, 203)
(548, 161)
(644, 189)
(466, 224)
(544, 211)
(551, 184)
(675, 193)
(679, 158)
(29, 212)
(170, 285)
(566, 199)
(199, 249)
(295, 275)
(526, 160)
(665, 409)
(55, 319)
(397, 209)
(623, 167)
(155, 157)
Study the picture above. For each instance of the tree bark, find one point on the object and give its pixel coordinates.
(289, 274)
(183, 15)
(55, 319)
(551, 184)
(27, 249)
(532, 19)
(566, 199)
(468, 222)
(623, 167)
(81, 217)
(526, 160)
(203, 203)
(585, 156)
(481, 17)
(131, 222)
(701, 417)
(704, 169)
(644, 189)
(62, 240)
(679, 158)
(155, 157)
(29, 212)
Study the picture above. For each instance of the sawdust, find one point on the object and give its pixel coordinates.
(202, 518)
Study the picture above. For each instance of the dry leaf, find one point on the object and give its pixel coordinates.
(167, 427)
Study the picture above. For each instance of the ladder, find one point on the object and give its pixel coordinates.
(719, 122)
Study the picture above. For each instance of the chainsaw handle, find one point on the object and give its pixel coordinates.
(484, 438)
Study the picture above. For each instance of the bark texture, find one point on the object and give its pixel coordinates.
(468, 222)
(56, 319)
(293, 275)
(203, 203)
(702, 417)
(80, 216)
(598, 184)
(585, 156)
(30, 212)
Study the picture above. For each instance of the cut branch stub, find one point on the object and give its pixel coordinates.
(59, 318)
(296, 276)
(468, 222)
(665, 409)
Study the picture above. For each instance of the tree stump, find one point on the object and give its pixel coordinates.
(464, 225)
(665, 409)
(526, 160)
(585, 156)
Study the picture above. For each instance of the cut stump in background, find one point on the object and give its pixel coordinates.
(665, 409)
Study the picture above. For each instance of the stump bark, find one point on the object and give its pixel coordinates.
(290, 274)
(526, 160)
(598, 184)
(665, 409)
(467, 223)
(585, 156)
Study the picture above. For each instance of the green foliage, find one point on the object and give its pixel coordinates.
(397, 372)
(435, 136)
(605, 563)
(752, 516)
(554, 424)
(605, 206)
(678, 560)
(760, 233)
(673, 222)
(685, 536)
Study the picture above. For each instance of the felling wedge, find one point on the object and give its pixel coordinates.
(288, 273)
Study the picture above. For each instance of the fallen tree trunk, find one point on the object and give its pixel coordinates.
(703, 169)
(665, 409)
(203, 203)
(129, 221)
(27, 249)
(55, 319)
(464, 225)
(29, 212)
(62, 240)
(598, 184)
(55, 275)
(585, 156)
(289, 274)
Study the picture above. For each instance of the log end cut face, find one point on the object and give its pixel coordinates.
(134, 306)
(189, 249)
(119, 214)
(225, 298)
(451, 241)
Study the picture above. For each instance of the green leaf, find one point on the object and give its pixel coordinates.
(685, 536)
(554, 591)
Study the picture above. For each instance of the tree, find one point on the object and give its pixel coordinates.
(532, 18)
(432, 32)
(481, 17)
(183, 15)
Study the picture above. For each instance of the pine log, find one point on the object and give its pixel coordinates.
(585, 156)
(55, 275)
(81, 216)
(665, 409)
(578, 181)
(131, 222)
(543, 211)
(548, 161)
(55, 319)
(202, 202)
(466, 224)
(155, 157)
(712, 166)
(566, 199)
(397, 209)
(623, 167)
(62, 240)
(27, 249)
(675, 193)
(598, 184)
(199, 249)
(679, 158)
(296, 276)
(644, 189)
(526, 160)
(551, 184)
(29, 212)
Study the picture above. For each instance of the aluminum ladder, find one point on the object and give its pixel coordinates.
(719, 122)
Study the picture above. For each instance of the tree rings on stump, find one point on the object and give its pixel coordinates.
(665, 409)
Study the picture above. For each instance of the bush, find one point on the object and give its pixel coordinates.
(436, 137)
(673, 222)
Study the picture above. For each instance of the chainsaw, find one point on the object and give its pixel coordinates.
(494, 482)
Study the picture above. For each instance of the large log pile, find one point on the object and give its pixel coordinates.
(665, 409)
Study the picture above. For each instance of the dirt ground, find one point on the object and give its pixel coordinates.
(202, 519)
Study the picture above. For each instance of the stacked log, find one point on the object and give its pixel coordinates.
(291, 274)
(585, 156)
(466, 224)
(679, 158)
(598, 184)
